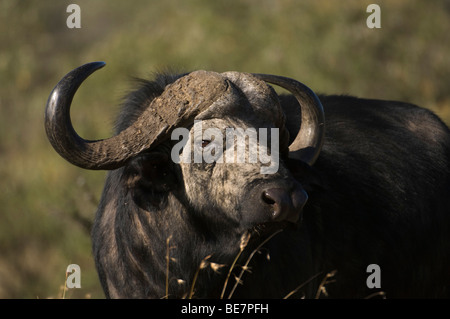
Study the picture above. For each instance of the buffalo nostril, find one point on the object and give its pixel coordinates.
(285, 204)
(267, 198)
(280, 201)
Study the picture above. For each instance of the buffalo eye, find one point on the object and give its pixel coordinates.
(205, 143)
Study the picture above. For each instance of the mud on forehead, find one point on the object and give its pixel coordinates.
(260, 95)
(248, 100)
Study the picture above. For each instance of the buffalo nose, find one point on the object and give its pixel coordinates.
(286, 205)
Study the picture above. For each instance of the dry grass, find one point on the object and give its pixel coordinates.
(238, 280)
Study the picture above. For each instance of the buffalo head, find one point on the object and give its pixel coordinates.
(154, 171)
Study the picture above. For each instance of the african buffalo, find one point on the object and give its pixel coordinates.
(368, 185)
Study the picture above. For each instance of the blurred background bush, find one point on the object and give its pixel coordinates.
(47, 205)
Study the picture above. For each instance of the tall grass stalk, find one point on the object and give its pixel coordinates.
(168, 248)
(244, 241)
(245, 267)
(325, 280)
(204, 263)
(301, 286)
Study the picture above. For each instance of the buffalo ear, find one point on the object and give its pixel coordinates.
(150, 177)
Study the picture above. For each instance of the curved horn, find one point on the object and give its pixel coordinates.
(308, 143)
(177, 106)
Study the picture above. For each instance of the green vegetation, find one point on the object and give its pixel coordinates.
(45, 201)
